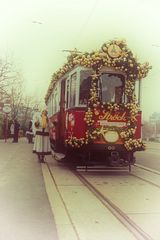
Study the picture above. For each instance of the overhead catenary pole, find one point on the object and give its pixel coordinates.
(6, 110)
(6, 127)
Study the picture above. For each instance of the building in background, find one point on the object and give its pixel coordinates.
(154, 121)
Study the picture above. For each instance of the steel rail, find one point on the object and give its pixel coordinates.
(122, 169)
(147, 169)
(131, 226)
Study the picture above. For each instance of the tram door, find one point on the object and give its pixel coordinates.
(62, 116)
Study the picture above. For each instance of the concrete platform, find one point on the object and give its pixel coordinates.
(25, 212)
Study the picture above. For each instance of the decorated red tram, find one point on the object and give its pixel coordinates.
(93, 106)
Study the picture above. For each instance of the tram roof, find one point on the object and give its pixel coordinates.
(114, 54)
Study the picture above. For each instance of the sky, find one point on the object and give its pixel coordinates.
(35, 33)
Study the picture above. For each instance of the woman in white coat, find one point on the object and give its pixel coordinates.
(42, 143)
(12, 129)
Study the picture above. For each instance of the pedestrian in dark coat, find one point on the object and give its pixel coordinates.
(29, 133)
(16, 131)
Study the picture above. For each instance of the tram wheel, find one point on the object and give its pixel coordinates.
(71, 160)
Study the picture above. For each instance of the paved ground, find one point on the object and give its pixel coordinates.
(150, 157)
(25, 212)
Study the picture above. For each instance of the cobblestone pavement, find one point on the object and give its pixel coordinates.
(25, 213)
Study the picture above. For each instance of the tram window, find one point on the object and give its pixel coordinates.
(72, 100)
(112, 88)
(52, 104)
(118, 94)
(55, 102)
(49, 107)
(85, 84)
(67, 93)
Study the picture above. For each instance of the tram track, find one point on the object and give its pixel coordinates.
(130, 225)
(145, 180)
(120, 169)
(147, 170)
(126, 215)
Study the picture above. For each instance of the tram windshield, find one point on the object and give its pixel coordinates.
(112, 88)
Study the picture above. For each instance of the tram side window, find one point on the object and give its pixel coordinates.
(67, 94)
(49, 107)
(55, 102)
(85, 85)
(112, 88)
(52, 103)
(72, 100)
(57, 99)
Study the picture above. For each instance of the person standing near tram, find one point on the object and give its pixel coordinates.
(29, 133)
(16, 131)
(42, 143)
(12, 129)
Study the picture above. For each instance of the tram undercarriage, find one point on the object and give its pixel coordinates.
(106, 158)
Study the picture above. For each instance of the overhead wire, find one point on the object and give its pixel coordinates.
(85, 23)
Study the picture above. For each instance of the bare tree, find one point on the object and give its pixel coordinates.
(16, 97)
(9, 93)
(11, 88)
(29, 106)
(7, 75)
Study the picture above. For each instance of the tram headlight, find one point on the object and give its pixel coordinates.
(111, 136)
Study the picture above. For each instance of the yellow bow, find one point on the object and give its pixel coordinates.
(44, 121)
